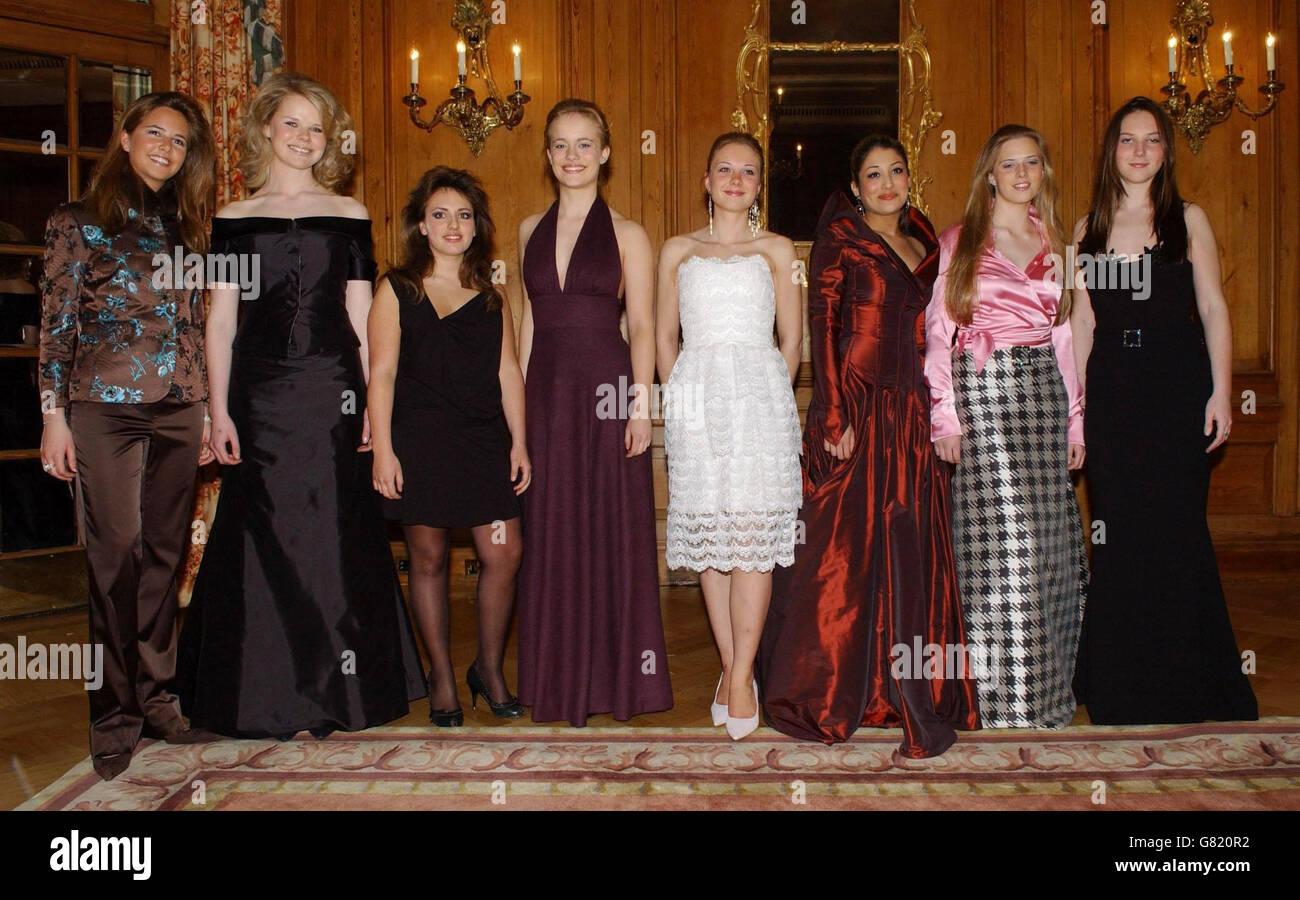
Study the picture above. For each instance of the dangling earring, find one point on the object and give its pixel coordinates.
(753, 219)
(857, 204)
(710, 215)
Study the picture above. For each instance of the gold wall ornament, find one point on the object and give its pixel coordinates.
(475, 121)
(1189, 59)
(916, 113)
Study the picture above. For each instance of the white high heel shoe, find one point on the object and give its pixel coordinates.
(716, 709)
(739, 728)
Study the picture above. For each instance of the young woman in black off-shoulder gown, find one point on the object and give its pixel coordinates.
(297, 620)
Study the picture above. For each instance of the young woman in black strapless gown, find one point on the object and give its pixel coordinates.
(1153, 336)
(297, 620)
(447, 409)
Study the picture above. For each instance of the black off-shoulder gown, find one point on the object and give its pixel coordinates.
(297, 619)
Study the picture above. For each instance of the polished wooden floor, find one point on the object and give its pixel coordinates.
(43, 723)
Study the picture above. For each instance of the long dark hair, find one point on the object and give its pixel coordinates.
(1108, 188)
(417, 260)
(887, 142)
(115, 188)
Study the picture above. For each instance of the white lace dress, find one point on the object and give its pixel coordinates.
(731, 429)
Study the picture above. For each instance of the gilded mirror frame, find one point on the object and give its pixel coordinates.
(916, 112)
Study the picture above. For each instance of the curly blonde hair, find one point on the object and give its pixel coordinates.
(333, 171)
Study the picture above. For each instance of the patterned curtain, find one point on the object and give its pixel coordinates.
(221, 50)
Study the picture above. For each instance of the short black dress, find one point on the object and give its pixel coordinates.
(449, 429)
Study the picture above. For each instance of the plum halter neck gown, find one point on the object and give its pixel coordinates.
(590, 635)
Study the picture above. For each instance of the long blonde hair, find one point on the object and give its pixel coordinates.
(976, 224)
(333, 170)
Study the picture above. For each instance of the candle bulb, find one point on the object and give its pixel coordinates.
(1272, 53)
(1173, 57)
(1227, 49)
(519, 69)
(798, 151)
(460, 58)
(415, 67)
(780, 94)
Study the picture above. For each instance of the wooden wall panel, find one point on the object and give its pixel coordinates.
(669, 66)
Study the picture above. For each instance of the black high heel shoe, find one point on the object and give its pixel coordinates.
(443, 718)
(511, 708)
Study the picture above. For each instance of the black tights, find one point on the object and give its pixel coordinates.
(427, 577)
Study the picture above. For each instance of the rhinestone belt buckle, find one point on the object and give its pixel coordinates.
(1019, 356)
(1131, 337)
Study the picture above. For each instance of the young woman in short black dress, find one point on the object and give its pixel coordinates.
(447, 421)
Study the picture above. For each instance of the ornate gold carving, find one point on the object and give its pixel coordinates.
(1216, 101)
(916, 113)
(475, 121)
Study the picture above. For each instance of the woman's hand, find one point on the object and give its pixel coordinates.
(636, 438)
(386, 475)
(365, 432)
(1218, 415)
(205, 444)
(949, 448)
(843, 448)
(521, 468)
(58, 454)
(1076, 456)
(224, 440)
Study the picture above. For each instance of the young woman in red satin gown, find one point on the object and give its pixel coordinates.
(847, 640)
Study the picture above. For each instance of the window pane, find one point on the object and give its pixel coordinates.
(20, 404)
(31, 185)
(87, 164)
(19, 302)
(35, 509)
(107, 90)
(33, 96)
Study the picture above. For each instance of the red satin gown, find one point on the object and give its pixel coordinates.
(848, 640)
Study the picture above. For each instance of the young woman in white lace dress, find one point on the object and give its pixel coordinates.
(731, 429)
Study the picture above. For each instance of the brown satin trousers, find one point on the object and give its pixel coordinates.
(136, 467)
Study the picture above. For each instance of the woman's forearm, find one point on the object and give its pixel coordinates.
(1218, 341)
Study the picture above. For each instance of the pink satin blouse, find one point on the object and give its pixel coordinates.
(1013, 307)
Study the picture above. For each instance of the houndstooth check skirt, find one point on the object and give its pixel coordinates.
(1017, 537)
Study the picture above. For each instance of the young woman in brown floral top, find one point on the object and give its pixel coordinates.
(123, 387)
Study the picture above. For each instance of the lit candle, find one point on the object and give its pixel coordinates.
(415, 67)
(1272, 54)
(1227, 49)
(780, 94)
(519, 69)
(460, 58)
(1173, 55)
(798, 151)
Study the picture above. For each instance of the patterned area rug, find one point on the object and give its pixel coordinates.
(1252, 765)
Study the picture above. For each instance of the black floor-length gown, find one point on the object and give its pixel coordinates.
(1157, 645)
(297, 619)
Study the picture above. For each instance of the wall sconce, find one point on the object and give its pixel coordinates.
(475, 121)
(1189, 58)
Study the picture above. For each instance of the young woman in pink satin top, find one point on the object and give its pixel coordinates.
(1007, 411)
